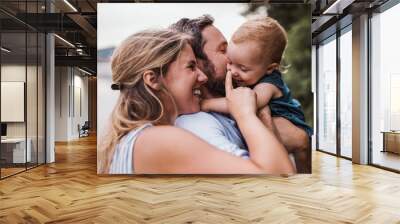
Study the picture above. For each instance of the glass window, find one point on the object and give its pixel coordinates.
(22, 91)
(14, 153)
(385, 89)
(31, 96)
(327, 95)
(346, 93)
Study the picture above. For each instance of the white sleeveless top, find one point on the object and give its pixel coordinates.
(122, 161)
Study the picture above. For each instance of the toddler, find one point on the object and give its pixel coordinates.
(255, 52)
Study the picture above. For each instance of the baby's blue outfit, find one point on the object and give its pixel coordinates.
(285, 106)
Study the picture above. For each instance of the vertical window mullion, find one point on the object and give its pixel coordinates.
(338, 76)
(37, 89)
(26, 86)
(317, 96)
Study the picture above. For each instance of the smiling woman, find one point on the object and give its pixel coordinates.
(183, 80)
(158, 78)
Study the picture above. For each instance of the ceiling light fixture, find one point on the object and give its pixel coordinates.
(84, 71)
(64, 40)
(337, 7)
(5, 49)
(70, 5)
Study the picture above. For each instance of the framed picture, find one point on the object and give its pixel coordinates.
(204, 88)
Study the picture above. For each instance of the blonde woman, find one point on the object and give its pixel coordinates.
(158, 78)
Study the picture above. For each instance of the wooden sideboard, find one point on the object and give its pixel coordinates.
(391, 141)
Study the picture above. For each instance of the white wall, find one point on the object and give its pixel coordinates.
(17, 73)
(33, 126)
(80, 83)
(14, 73)
(106, 98)
(62, 81)
(67, 115)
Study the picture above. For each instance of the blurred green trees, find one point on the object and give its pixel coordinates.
(296, 19)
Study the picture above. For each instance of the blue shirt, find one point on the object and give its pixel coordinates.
(216, 129)
(285, 106)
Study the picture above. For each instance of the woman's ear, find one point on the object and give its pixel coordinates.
(151, 79)
(272, 67)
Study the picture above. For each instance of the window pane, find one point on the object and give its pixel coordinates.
(14, 153)
(345, 94)
(385, 84)
(31, 97)
(327, 96)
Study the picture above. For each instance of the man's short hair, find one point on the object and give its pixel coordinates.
(194, 27)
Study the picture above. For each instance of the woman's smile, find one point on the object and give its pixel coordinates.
(197, 92)
(184, 80)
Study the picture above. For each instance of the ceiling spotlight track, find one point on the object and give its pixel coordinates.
(65, 41)
(5, 50)
(337, 7)
(70, 5)
(84, 71)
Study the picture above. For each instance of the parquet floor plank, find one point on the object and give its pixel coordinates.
(70, 191)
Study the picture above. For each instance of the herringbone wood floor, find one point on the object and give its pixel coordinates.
(70, 191)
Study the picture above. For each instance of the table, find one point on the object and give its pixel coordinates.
(15, 148)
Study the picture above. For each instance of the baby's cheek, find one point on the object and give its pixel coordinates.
(246, 77)
(250, 80)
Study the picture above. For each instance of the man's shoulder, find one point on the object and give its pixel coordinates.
(223, 119)
(195, 116)
(220, 116)
(196, 119)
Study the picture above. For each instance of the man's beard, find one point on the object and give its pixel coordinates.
(215, 87)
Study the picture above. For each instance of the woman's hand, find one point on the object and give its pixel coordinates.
(241, 101)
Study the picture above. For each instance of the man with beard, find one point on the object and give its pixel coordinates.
(209, 46)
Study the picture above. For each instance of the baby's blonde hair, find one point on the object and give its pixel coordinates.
(138, 104)
(268, 33)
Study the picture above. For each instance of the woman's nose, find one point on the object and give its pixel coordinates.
(201, 77)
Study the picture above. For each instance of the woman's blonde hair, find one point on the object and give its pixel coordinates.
(149, 50)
